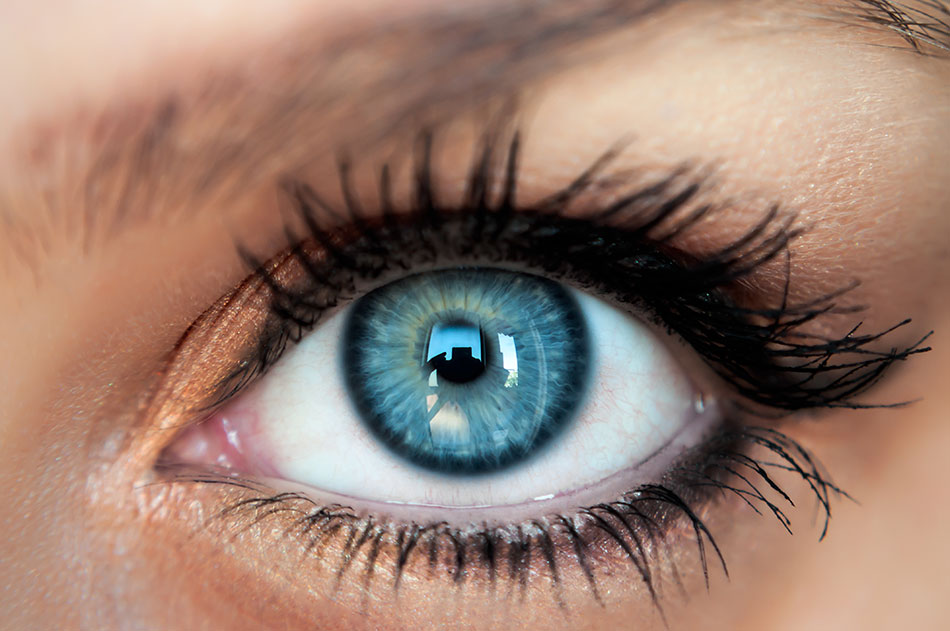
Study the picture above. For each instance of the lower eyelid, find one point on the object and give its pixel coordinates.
(628, 553)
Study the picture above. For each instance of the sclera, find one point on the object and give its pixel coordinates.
(297, 429)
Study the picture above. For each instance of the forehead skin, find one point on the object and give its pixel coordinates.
(815, 104)
(67, 115)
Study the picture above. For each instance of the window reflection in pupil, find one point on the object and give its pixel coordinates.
(458, 364)
(449, 426)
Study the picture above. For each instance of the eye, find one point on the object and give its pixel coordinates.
(465, 388)
(553, 387)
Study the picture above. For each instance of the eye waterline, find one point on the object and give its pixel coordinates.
(214, 434)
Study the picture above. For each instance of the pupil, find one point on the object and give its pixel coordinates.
(461, 368)
(456, 351)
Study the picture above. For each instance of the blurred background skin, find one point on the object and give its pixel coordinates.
(810, 104)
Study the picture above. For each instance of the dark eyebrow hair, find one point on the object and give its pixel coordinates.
(130, 164)
(924, 25)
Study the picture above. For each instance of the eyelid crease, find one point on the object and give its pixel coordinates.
(133, 138)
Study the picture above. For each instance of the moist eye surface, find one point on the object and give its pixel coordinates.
(466, 370)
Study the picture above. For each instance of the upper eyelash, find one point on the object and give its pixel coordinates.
(760, 352)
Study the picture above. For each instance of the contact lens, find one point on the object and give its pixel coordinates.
(466, 370)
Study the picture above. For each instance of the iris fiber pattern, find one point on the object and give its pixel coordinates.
(466, 370)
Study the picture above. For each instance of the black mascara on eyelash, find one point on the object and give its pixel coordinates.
(623, 249)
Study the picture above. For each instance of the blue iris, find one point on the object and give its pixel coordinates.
(466, 370)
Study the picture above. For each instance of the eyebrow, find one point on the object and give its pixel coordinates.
(236, 120)
(217, 136)
(924, 25)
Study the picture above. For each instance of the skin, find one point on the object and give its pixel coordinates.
(843, 124)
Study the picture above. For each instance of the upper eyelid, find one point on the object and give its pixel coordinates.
(652, 216)
(134, 137)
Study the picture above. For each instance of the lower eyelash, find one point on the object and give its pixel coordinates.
(637, 527)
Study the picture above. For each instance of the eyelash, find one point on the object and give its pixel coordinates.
(634, 525)
(622, 249)
(761, 352)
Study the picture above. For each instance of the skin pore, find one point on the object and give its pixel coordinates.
(138, 143)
